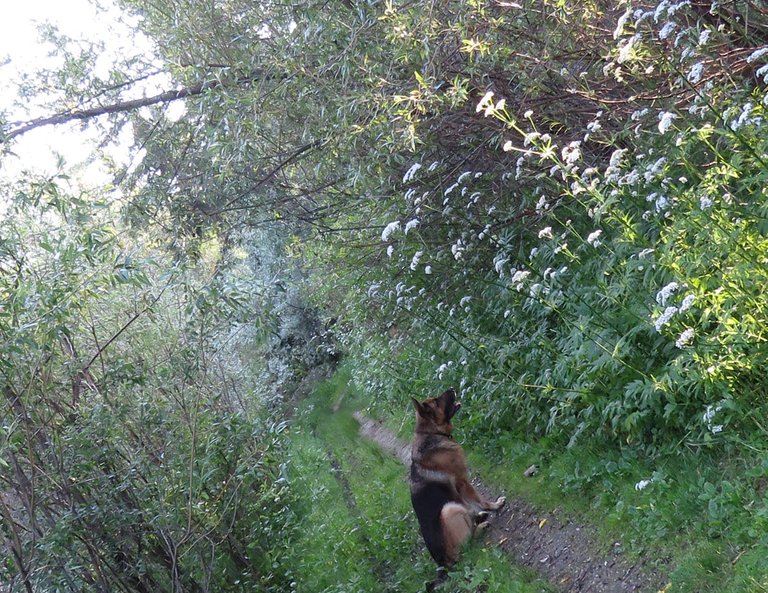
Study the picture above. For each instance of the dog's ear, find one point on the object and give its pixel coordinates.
(421, 410)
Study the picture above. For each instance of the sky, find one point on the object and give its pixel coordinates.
(21, 50)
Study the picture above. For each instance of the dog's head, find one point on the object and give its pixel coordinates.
(434, 414)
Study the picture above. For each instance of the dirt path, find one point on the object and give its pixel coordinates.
(559, 549)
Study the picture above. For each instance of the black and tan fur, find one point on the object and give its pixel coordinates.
(448, 507)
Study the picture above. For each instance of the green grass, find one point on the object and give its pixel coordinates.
(702, 519)
(357, 529)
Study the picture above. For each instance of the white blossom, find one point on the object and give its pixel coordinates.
(663, 295)
(415, 260)
(541, 205)
(687, 302)
(662, 203)
(619, 30)
(572, 152)
(443, 367)
(519, 167)
(389, 229)
(410, 173)
(546, 233)
(685, 338)
(626, 49)
(653, 171)
(484, 102)
(617, 156)
(664, 318)
(457, 249)
(757, 54)
(594, 238)
(427, 269)
(744, 116)
(519, 277)
(709, 416)
(673, 8)
(694, 75)
(411, 224)
(667, 29)
(762, 72)
(390, 250)
(530, 138)
(665, 121)
(643, 484)
(710, 412)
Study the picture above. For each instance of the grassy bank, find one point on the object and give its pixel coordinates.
(697, 518)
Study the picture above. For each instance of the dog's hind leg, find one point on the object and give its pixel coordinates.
(442, 576)
(482, 517)
(458, 525)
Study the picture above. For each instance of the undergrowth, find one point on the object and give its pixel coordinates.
(697, 519)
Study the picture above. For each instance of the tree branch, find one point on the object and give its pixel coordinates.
(127, 106)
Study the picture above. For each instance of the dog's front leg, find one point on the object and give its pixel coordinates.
(471, 496)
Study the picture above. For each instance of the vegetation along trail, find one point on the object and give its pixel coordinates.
(557, 207)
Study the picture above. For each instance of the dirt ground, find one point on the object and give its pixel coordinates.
(559, 549)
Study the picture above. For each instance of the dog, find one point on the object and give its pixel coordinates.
(448, 507)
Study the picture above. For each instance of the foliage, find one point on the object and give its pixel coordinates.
(557, 207)
(130, 457)
(604, 283)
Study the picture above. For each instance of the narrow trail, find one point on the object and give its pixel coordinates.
(562, 551)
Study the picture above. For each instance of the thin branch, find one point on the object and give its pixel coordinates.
(129, 105)
(122, 329)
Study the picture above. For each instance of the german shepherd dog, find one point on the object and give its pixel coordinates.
(448, 507)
